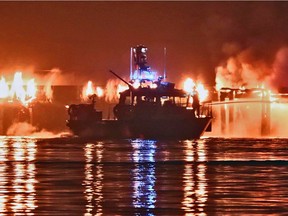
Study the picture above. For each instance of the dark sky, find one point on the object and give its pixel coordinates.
(89, 38)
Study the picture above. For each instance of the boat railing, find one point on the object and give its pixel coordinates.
(206, 109)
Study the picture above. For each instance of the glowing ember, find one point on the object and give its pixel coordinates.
(19, 91)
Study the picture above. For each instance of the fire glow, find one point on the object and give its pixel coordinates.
(190, 87)
(254, 96)
(121, 88)
(114, 87)
(89, 90)
(18, 90)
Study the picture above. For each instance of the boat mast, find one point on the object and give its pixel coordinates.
(164, 75)
(131, 63)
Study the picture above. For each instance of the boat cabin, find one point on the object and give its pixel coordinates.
(160, 102)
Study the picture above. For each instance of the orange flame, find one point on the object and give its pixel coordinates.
(89, 90)
(121, 88)
(99, 91)
(4, 88)
(17, 88)
(19, 91)
(203, 93)
(190, 86)
(31, 88)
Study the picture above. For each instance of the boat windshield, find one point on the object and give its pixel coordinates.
(160, 101)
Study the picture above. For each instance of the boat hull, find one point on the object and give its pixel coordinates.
(152, 129)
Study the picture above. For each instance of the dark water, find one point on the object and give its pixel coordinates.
(210, 176)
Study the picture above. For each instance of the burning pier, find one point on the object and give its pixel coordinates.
(40, 107)
(249, 112)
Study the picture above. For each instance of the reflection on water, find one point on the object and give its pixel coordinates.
(143, 177)
(144, 194)
(194, 179)
(93, 178)
(17, 175)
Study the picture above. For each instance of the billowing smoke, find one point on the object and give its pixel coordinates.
(242, 118)
(55, 76)
(18, 104)
(51, 78)
(26, 129)
(243, 70)
(280, 69)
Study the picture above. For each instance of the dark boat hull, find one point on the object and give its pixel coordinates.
(152, 129)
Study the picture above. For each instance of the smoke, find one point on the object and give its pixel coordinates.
(55, 77)
(243, 69)
(247, 68)
(280, 69)
(26, 129)
(49, 78)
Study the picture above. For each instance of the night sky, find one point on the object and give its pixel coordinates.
(86, 39)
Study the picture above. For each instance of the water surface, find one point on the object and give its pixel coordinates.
(210, 176)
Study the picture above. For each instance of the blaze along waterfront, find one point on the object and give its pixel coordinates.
(241, 111)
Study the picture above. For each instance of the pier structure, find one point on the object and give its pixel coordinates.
(236, 103)
(42, 113)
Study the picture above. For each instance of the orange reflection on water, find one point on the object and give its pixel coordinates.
(99, 178)
(31, 151)
(23, 182)
(189, 189)
(201, 190)
(201, 151)
(21, 194)
(88, 182)
(93, 183)
(3, 151)
(30, 187)
(3, 175)
(19, 151)
(194, 179)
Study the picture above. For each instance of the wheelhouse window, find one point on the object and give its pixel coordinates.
(177, 101)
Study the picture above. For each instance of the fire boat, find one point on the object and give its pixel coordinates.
(150, 109)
